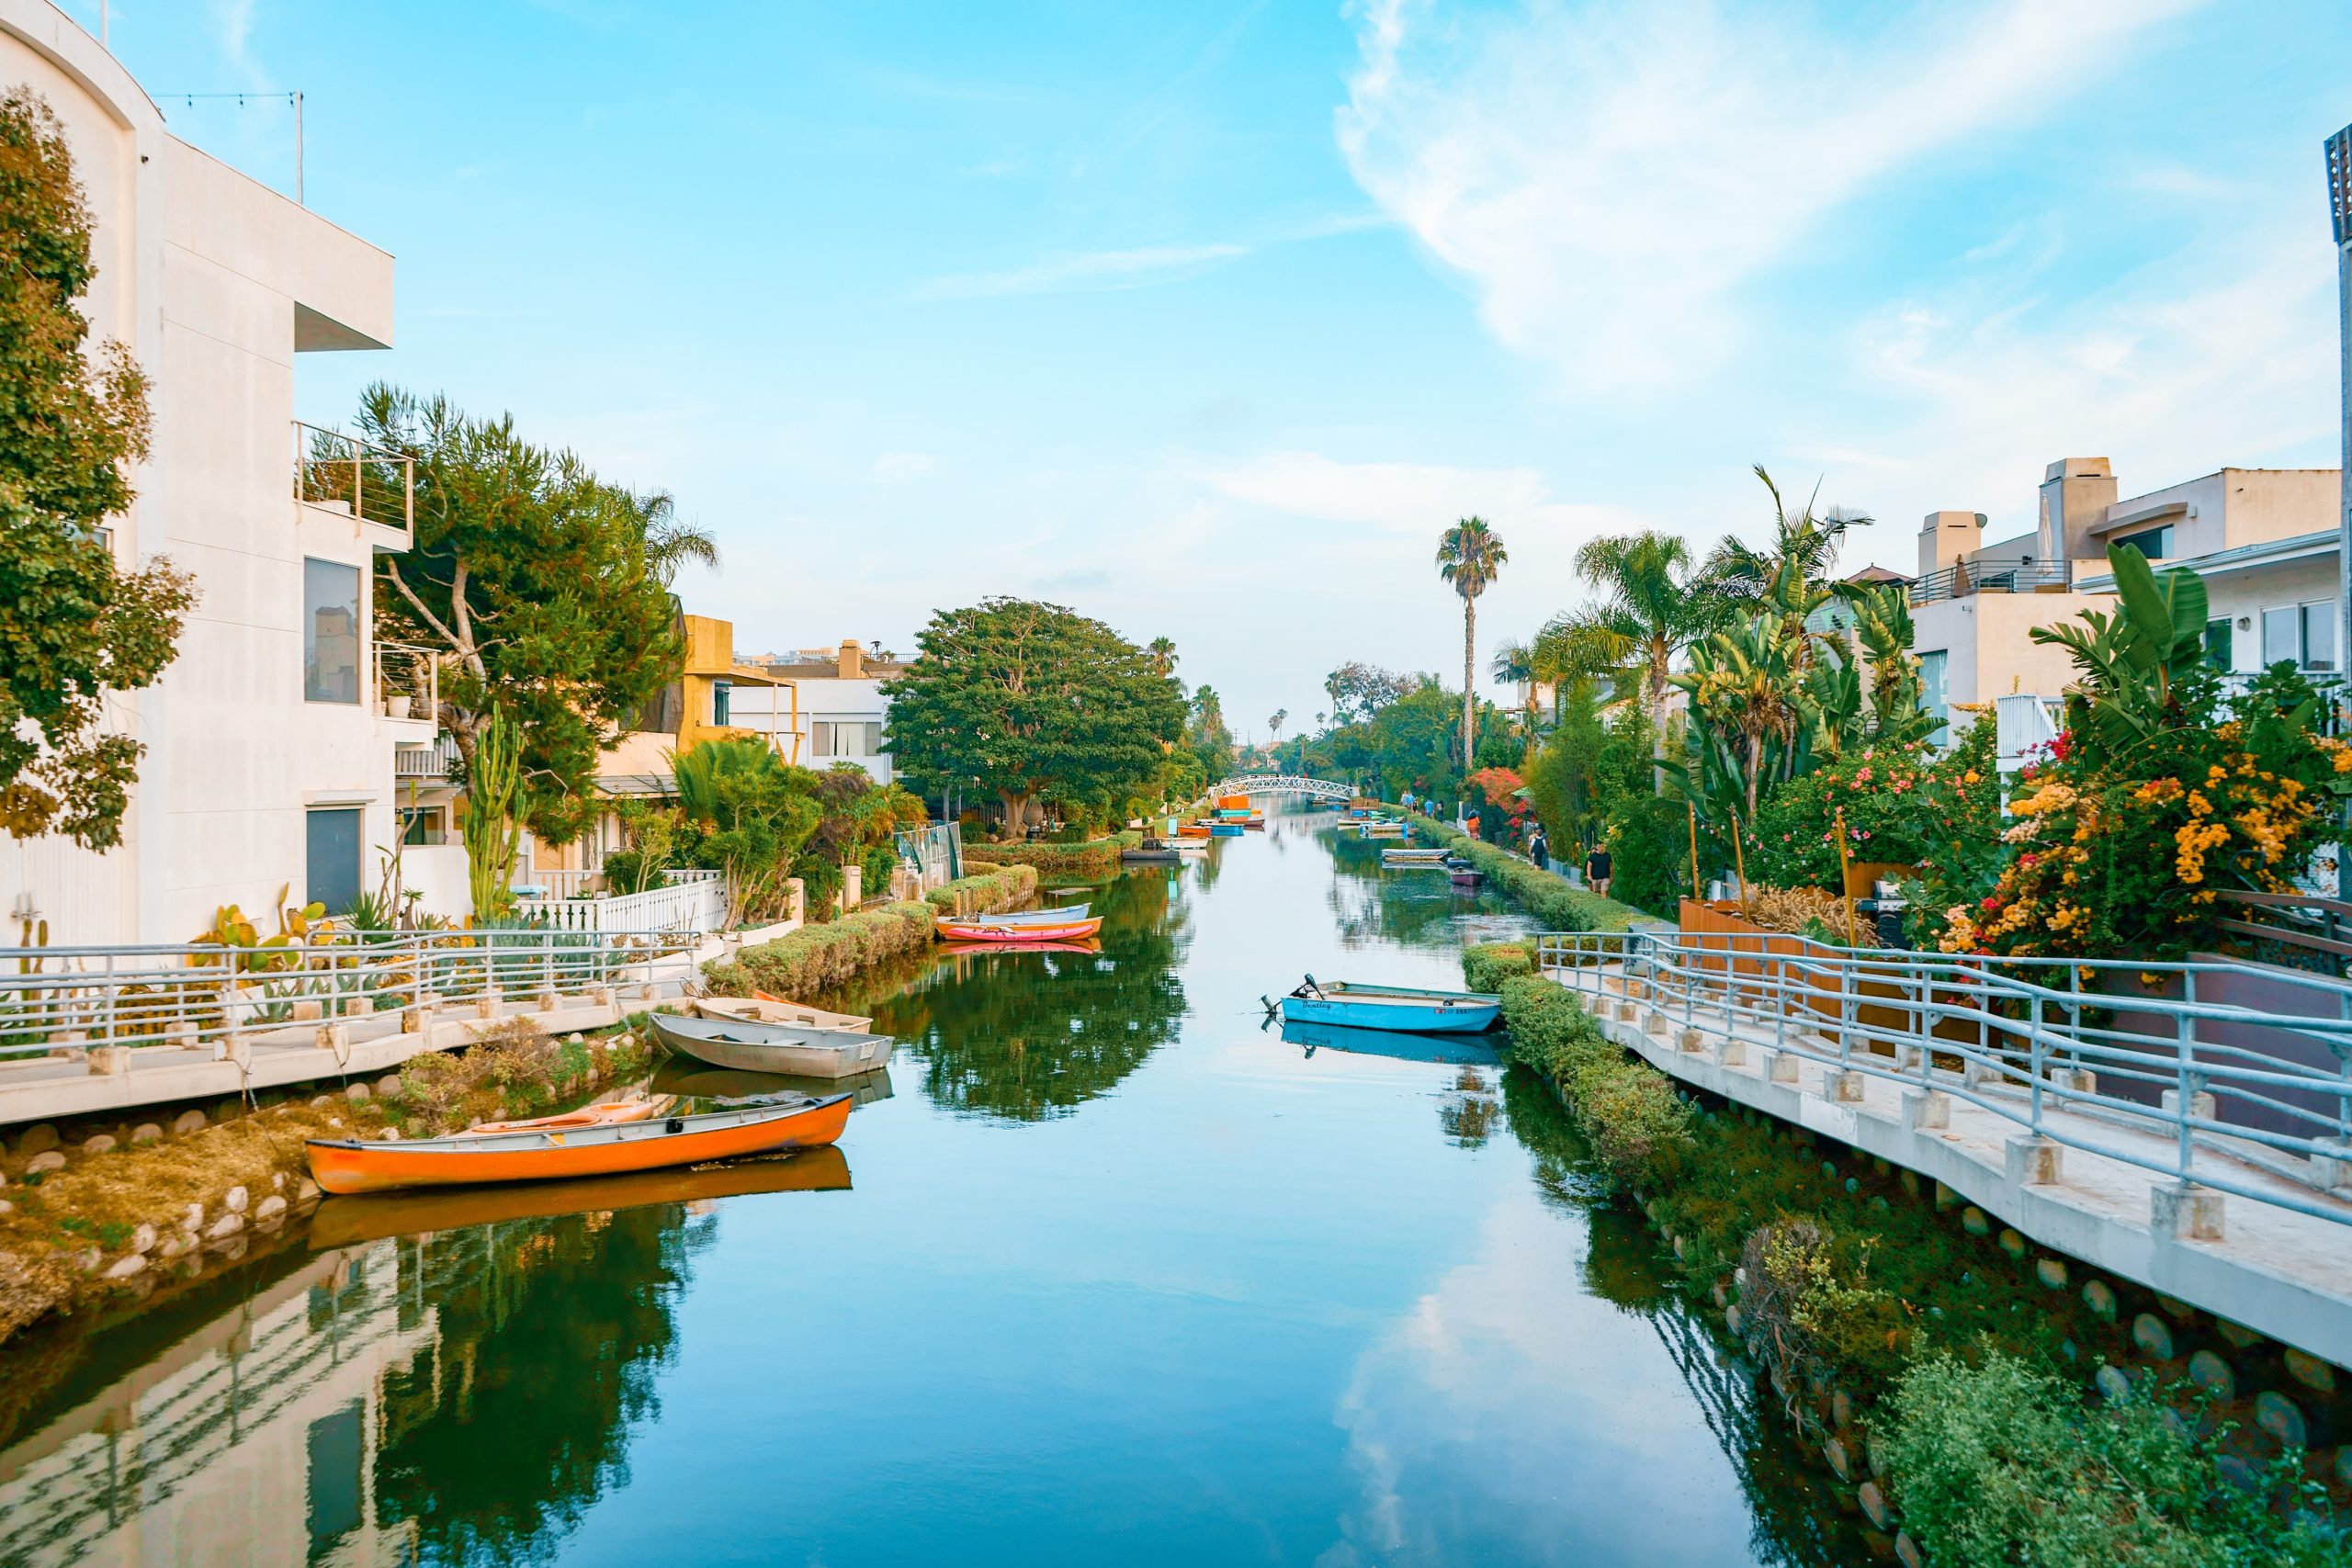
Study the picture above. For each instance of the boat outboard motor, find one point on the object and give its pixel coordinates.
(1885, 909)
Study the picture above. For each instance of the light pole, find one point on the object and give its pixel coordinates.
(2339, 205)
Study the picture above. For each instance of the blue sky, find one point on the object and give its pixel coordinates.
(1208, 318)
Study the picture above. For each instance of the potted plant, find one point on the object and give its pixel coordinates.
(396, 705)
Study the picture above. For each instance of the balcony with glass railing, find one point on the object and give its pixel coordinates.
(373, 486)
(1966, 578)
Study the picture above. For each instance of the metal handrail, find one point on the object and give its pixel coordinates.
(2024, 1039)
(1990, 577)
(373, 483)
(192, 995)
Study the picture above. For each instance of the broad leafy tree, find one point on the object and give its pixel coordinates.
(544, 590)
(72, 624)
(1033, 703)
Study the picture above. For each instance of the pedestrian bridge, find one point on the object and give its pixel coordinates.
(1285, 783)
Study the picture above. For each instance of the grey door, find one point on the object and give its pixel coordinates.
(332, 873)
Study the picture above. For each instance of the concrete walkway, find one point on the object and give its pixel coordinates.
(2284, 1274)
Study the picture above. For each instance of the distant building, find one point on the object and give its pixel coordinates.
(839, 711)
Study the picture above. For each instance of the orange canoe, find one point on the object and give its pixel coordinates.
(1026, 930)
(1194, 830)
(611, 1113)
(348, 1165)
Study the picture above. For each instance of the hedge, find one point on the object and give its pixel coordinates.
(1095, 857)
(1542, 893)
(1486, 968)
(815, 958)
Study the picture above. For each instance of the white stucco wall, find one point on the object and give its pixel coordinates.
(1988, 637)
(822, 698)
(201, 274)
(2244, 596)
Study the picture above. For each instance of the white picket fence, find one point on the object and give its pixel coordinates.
(692, 901)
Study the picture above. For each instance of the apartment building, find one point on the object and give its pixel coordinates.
(271, 739)
(825, 705)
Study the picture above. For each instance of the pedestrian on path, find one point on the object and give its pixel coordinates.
(1597, 867)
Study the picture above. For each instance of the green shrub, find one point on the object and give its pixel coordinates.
(1484, 968)
(1998, 1463)
(1649, 843)
(985, 889)
(1093, 857)
(1638, 1126)
(1548, 897)
(816, 957)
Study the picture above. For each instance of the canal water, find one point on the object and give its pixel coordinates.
(1108, 1272)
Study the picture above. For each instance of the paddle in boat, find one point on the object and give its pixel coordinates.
(345, 1166)
(1389, 1006)
(993, 928)
(611, 1113)
(805, 1049)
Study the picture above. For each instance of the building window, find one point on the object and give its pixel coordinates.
(2221, 644)
(331, 861)
(820, 737)
(425, 824)
(873, 738)
(720, 691)
(2304, 635)
(330, 632)
(2154, 542)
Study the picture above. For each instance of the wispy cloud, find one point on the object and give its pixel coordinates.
(898, 468)
(1607, 177)
(1087, 272)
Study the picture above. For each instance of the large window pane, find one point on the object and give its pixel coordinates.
(2319, 635)
(2218, 640)
(873, 739)
(330, 875)
(1934, 691)
(2281, 634)
(330, 632)
(820, 737)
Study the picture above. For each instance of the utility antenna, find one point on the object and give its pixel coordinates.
(294, 98)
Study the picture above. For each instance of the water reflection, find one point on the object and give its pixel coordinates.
(1417, 905)
(1026, 1036)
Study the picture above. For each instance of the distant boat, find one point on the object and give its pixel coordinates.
(344, 1166)
(723, 1089)
(809, 1050)
(1151, 854)
(1222, 829)
(1390, 1007)
(1052, 914)
(1466, 876)
(347, 1222)
(1391, 1043)
(986, 949)
(1432, 858)
(988, 928)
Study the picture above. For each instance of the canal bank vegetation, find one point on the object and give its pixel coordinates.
(1549, 897)
(817, 958)
(1094, 858)
(1940, 1368)
(94, 1215)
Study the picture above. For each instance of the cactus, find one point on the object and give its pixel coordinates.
(492, 836)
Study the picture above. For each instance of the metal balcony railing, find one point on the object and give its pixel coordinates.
(370, 483)
(408, 681)
(1991, 577)
(2209, 1074)
(433, 761)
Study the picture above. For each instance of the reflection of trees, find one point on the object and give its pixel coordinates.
(1416, 909)
(551, 1335)
(1469, 1115)
(1798, 1522)
(1026, 1036)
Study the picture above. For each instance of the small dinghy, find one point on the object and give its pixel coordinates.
(346, 1165)
(993, 928)
(762, 1007)
(810, 1051)
(1390, 1007)
(1431, 858)
(1051, 915)
(1466, 876)
(1151, 854)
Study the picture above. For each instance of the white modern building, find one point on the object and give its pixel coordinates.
(825, 706)
(271, 741)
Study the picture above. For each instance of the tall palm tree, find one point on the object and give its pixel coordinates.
(1470, 555)
(1163, 656)
(1804, 546)
(670, 542)
(1514, 665)
(1649, 605)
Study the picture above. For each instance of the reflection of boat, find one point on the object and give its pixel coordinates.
(986, 949)
(773, 1048)
(762, 1007)
(990, 929)
(1388, 1043)
(1151, 854)
(610, 1114)
(1466, 875)
(1390, 1007)
(346, 1222)
(342, 1165)
(1412, 857)
(1191, 848)
(727, 1087)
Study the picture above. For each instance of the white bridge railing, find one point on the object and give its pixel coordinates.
(687, 902)
(1284, 783)
(207, 994)
(2163, 1066)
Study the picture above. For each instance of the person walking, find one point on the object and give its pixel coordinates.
(1537, 849)
(1597, 867)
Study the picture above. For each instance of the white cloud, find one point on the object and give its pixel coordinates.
(1087, 272)
(898, 468)
(1605, 177)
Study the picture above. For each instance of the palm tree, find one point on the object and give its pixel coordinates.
(1514, 665)
(1650, 606)
(1274, 729)
(1163, 657)
(670, 543)
(1470, 555)
(1804, 546)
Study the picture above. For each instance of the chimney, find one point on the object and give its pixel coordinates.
(1945, 538)
(853, 660)
(2076, 495)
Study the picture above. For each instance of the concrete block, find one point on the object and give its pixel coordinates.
(547, 1001)
(1627, 1012)
(110, 1061)
(2332, 1167)
(307, 1011)
(2200, 1104)
(2185, 1211)
(1731, 1053)
(2033, 1162)
(1781, 1069)
(1926, 1109)
(335, 1037)
(1689, 1040)
(487, 1007)
(601, 995)
(359, 1007)
(415, 1020)
(1655, 1023)
(1842, 1085)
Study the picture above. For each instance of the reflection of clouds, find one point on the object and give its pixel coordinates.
(1512, 1416)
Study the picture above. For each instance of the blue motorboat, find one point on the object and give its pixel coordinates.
(1398, 1007)
(1224, 829)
